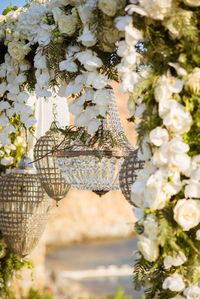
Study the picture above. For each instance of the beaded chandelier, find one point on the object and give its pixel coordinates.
(49, 173)
(93, 163)
(24, 208)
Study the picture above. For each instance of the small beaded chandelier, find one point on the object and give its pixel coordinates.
(128, 174)
(49, 173)
(24, 208)
(95, 163)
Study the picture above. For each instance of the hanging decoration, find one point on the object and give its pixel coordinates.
(24, 208)
(93, 163)
(45, 161)
(128, 174)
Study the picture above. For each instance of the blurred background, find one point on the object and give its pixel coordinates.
(88, 247)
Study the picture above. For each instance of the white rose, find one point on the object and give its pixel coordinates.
(198, 235)
(67, 24)
(109, 7)
(187, 213)
(174, 282)
(159, 136)
(193, 3)
(148, 248)
(192, 292)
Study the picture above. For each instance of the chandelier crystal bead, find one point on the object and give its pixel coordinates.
(45, 162)
(128, 174)
(94, 164)
(24, 208)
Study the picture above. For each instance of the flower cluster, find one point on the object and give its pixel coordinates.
(166, 98)
(54, 46)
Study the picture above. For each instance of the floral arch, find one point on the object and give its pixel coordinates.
(72, 48)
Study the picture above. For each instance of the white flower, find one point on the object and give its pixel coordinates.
(140, 110)
(160, 187)
(90, 61)
(138, 187)
(187, 213)
(138, 213)
(192, 188)
(20, 79)
(174, 282)
(166, 86)
(85, 13)
(129, 80)
(148, 248)
(173, 155)
(67, 24)
(193, 3)
(180, 71)
(132, 35)
(93, 125)
(192, 292)
(122, 22)
(87, 38)
(155, 9)
(109, 7)
(4, 105)
(96, 80)
(18, 50)
(151, 227)
(178, 120)
(159, 136)
(176, 261)
(22, 97)
(68, 65)
(6, 161)
(3, 88)
(198, 235)
(40, 61)
(137, 193)
(28, 121)
(144, 152)
(57, 13)
(193, 82)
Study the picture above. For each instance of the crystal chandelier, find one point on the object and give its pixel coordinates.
(128, 174)
(93, 163)
(24, 208)
(49, 173)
